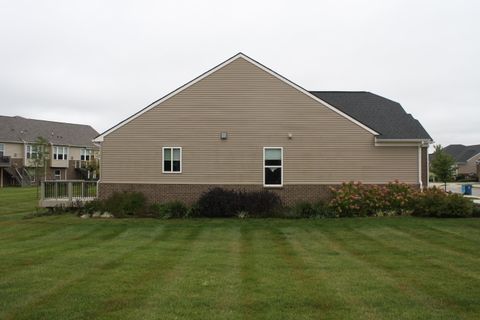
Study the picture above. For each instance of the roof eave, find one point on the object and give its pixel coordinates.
(403, 142)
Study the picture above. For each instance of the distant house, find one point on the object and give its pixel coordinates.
(243, 126)
(466, 157)
(70, 149)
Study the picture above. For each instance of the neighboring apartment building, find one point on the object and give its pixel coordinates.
(243, 126)
(467, 158)
(70, 148)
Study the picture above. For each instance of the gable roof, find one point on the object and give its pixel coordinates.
(385, 116)
(240, 55)
(19, 130)
(462, 153)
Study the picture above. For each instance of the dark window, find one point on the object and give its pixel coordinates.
(273, 166)
(273, 176)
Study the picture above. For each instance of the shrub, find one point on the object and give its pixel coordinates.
(354, 199)
(126, 204)
(435, 202)
(93, 206)
(398, 197)
(323, 210)
(476, 211)
(193, 211)
(218, 202)
(304, 210)
(458, 206)
(258, 203)
(169, 210)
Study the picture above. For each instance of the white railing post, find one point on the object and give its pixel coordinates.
(70, 191)
(42, 190)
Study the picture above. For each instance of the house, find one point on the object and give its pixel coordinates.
(243, 126)
(70, 150)
(467, 158)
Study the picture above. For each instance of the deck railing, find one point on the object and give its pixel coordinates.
(67, 192)
(5, 161)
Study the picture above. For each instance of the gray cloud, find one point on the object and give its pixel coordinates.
(98, 62)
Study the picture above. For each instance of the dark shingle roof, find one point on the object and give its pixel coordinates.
(18, 129)
(385, 116)
(462, 153)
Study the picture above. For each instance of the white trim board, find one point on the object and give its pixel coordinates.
(280, 166)
(171, 159)
(223, 64)
(402, 142)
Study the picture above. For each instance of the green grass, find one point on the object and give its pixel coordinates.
(18, 200)
(64, 267)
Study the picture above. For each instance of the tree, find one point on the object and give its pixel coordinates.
(442, 165)
(39, 157)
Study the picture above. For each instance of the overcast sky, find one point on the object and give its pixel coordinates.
(98, 62)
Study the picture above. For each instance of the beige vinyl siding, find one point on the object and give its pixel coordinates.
(257, 110)
(470, 166)
(14, 150)
(58, 163)
(74, 153)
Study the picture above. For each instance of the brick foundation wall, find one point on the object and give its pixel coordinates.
(189, 193)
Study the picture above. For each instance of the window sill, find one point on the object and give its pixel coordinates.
(273, 186)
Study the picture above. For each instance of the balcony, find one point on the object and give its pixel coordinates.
(58, 163)
(5, 161)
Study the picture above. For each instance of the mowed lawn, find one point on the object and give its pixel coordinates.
(18, 200)
(64, 267)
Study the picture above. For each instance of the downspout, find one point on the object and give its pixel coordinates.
(420, 167)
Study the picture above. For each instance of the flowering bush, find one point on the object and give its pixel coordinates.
(399, 197)
(357, 199)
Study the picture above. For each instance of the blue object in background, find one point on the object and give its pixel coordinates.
(467, 189)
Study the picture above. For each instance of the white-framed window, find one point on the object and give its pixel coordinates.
(86, 154)
(57, 174)
(172, 160)
(2, 149)
(273, 166)
(33, 152)
(60, 153)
